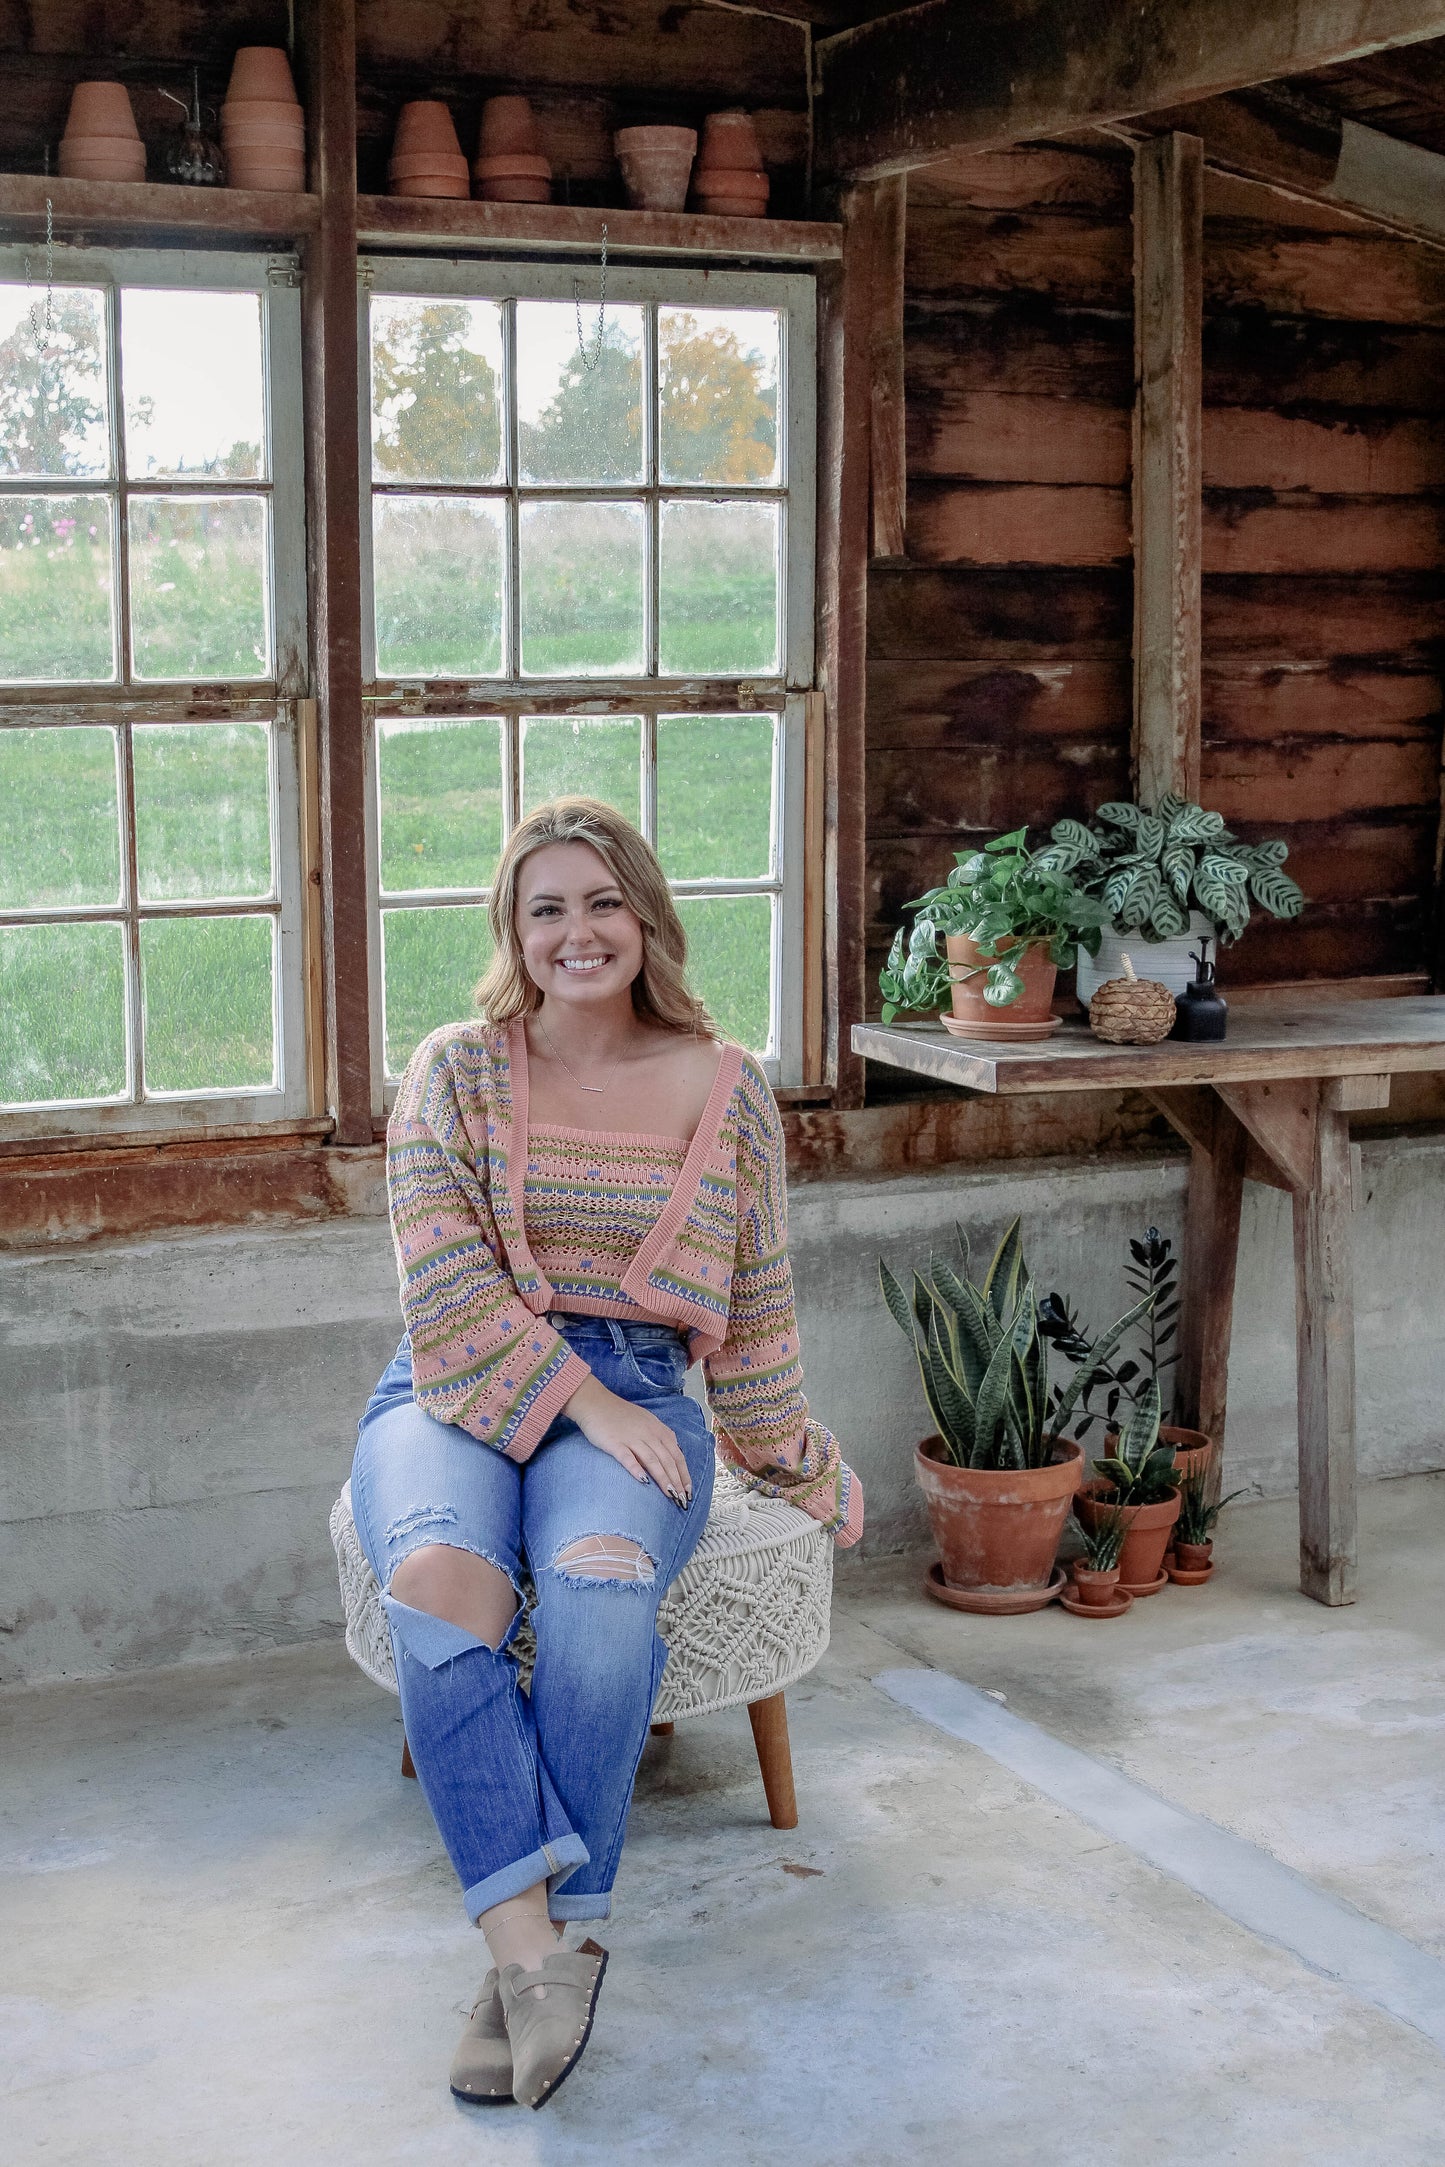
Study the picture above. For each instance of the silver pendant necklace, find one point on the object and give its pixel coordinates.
(595, 1090)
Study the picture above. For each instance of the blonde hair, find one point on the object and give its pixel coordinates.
(660, 991)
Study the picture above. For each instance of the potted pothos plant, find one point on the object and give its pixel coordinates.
(999, 1471)
(1136, 1478)
(1166, 875)
(994, 937)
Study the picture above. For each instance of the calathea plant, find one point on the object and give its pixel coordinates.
(1150, 866)
(1002, 897)
(983, 1360)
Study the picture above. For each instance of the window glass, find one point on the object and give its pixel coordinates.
(59, 819)
(437, 568)
(715, 796)
(563, 755)
(717, 611)
(56, 620)
(54, 415)
(730, 962)
(441, 802)
(209, 996)
(62, 1012)
(436, 390)
(579, 407)
(195, 401)
(718, 394)
(198, 588)
(581, 573)
(431, 961)
(202, 810)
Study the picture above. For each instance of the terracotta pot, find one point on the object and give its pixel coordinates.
(656, 164)
(261, 71)
(518, 190)
(270, 171)
(1142, 1559)
(1193, 1451)
(456, 187)
(78, 165)
(1192, 1557)
(101, 109)
(508, 126)
(997, 1531)
(425, 165)
(512, 166)
(263, 109)
(1034, 1005)
(730, 181)
(425, 125)
(264, 135)
(1095, 1588)
(729, 140)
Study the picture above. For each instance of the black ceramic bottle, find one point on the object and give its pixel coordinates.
(1202, 1010)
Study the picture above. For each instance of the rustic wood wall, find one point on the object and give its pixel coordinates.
(999, 653)
(998, 679)
(1324, 467)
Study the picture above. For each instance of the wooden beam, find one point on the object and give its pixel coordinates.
(888, 453)
(1168, 325)
(844, 418)
(1211, 1250)
(978, 74)
(1281, 1117)
(1325, 1337)
(329, 356)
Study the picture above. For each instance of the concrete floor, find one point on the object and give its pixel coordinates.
(231, 1937)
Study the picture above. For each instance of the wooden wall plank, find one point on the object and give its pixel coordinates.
(984, 613)
(1372, 280)
(1074, 260)
(1324, 616)
(887, 436)
(1007, 437)
(1023, 345)
(1321, 534)
(1168, 313)
(925, 706)
(1268, 700)
(1255, 358)
(1316, 779)
(987, 523)
(1032, 176)
(1364, 454)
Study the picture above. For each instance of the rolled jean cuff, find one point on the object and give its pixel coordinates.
(552, 1864)
(580, 1907)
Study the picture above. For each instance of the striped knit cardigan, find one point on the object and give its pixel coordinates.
(484, 1356)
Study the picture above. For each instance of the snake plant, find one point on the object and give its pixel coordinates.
(1151, 865)
(984, 1361)
(1196, 1515)
(1139, 1470)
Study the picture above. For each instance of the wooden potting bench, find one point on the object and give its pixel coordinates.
(1271, 1102)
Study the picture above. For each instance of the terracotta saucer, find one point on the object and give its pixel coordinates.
(1120, 1601)
(1147, 1587)
(989, 1602)
(1190, 1580)
(1000, 1034)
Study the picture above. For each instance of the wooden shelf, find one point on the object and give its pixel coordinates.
(437, 223)
(105, 209)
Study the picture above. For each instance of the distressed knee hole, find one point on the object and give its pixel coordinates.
(605, 1557)
(459, 1586)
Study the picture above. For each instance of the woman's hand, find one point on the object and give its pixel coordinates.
(632, 1437)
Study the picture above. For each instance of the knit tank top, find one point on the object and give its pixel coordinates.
(590, 1198)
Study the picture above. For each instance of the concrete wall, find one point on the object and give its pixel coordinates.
(177, 1415)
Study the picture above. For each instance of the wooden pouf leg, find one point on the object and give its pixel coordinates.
(408, 1766)
(769, 1719)
(662, 1730)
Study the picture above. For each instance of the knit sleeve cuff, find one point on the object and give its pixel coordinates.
(548, 1404)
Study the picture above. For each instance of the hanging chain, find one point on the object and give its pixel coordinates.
(590, 361)
(35, 324)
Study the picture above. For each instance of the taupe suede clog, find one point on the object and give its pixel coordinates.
(548, 2030)
(482, 2064)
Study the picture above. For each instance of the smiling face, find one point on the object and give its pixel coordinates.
(581, 942)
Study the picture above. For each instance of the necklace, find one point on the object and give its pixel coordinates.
(595, 1089)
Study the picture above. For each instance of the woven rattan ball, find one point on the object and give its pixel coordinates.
(1131, 1011)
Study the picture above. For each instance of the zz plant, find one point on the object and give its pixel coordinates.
(1151, 865)
(1003, 897)
(1154, 1272)
(984, 1361)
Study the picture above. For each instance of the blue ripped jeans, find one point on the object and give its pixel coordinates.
(532, 1787)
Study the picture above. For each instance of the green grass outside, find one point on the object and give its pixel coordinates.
(207, 988)
(62, 1012)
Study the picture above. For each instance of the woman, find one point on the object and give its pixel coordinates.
(586, 1196)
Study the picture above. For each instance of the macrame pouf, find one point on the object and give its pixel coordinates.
(746, 1617)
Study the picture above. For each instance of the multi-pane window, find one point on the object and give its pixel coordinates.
(590, 570)
(151, 640)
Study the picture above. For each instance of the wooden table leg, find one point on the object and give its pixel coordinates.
(1211, 1254)
(1325, 1335)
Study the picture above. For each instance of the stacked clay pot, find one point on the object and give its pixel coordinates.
(426, 158)
(263, 129)
(656, 164)
(729, 180)
(101, 141)
(509, 165)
